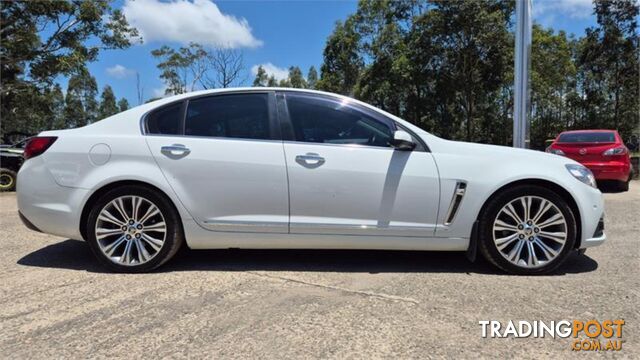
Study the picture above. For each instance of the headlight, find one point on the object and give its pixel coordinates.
(582, 173)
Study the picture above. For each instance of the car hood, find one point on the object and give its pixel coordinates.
(494, 152)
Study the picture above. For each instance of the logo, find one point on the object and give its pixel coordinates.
(583, 151)
(589, 335)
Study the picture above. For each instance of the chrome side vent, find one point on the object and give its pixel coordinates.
(458, 194)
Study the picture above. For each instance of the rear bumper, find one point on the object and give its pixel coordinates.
(46, 206)
(610, 171)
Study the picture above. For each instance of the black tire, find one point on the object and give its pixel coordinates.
(623, 185)
(7, 180)
(488, 247)
(174, 237)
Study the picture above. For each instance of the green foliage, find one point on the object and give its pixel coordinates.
(123, 105)
(296, 79)
(108, 105)
(447, 66)
(30, 58)
(261, 77)
(312, 77)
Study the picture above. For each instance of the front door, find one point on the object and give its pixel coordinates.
(345, 178)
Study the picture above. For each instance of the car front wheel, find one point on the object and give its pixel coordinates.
(133, 229)
(527, 230)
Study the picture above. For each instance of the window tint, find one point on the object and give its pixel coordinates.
(324, 120)
(166, 120)
(587, 137)
(234, 116)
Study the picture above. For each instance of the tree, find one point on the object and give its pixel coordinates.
(312, 77)
(123, 105)
(609, 68)
(81, 105)
(108, 105)
(227, 66)
(56, 108)
(272, 82)
(30, 58)
(296, 79)
(342, 61)
(189, 68)
(261, 77)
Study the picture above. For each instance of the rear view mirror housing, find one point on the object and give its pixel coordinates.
(402, 141)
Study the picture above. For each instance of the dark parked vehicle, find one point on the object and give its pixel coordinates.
(10, 162)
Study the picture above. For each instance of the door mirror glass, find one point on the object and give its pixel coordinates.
(402, 141)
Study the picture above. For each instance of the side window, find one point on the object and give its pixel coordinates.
(166, 120)
(329, 121)
(233, 116)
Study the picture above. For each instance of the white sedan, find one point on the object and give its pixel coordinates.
(275, 168)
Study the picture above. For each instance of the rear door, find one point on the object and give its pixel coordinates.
(345, 178)
(223, 156)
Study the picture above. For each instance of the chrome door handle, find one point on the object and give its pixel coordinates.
(175, 150)
(310, 160)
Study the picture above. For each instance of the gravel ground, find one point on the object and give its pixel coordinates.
(55, 301)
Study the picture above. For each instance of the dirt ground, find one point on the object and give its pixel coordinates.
(56, 302)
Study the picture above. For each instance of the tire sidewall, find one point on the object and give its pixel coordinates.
(173, 239)
(13, 176)
(488, 247)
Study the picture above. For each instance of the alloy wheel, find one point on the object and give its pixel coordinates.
(130, 230)
(530, 231)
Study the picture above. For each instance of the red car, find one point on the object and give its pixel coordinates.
(602, 151)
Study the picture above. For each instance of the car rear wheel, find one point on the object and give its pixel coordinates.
(527, 230)
(7, 180)
(133, 229)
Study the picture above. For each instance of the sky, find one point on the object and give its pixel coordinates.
(275, 34)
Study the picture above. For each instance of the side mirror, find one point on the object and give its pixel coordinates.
(402, 141)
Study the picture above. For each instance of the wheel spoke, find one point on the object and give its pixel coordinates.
(556, 219)
(506, 241)
(135, 206)
(559, 237)
(126, 255)
(105, 215)
(544, 207)
(160, 227)
(503, 226)
(526, 205)
(514, 254)
(151, 212)
(511, 211)
(102, 233)
(113, 246)
(548, 251)
(532, 259)
(117, 204)
(153, 242)
(143, 254)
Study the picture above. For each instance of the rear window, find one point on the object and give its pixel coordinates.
(587, 137)
(166, 120)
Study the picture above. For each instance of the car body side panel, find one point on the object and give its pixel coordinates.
(487, 171)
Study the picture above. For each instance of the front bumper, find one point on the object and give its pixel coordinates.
(597, 238)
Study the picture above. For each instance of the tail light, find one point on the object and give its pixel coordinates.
(38, 145)
(621, 150)
(554, 151)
